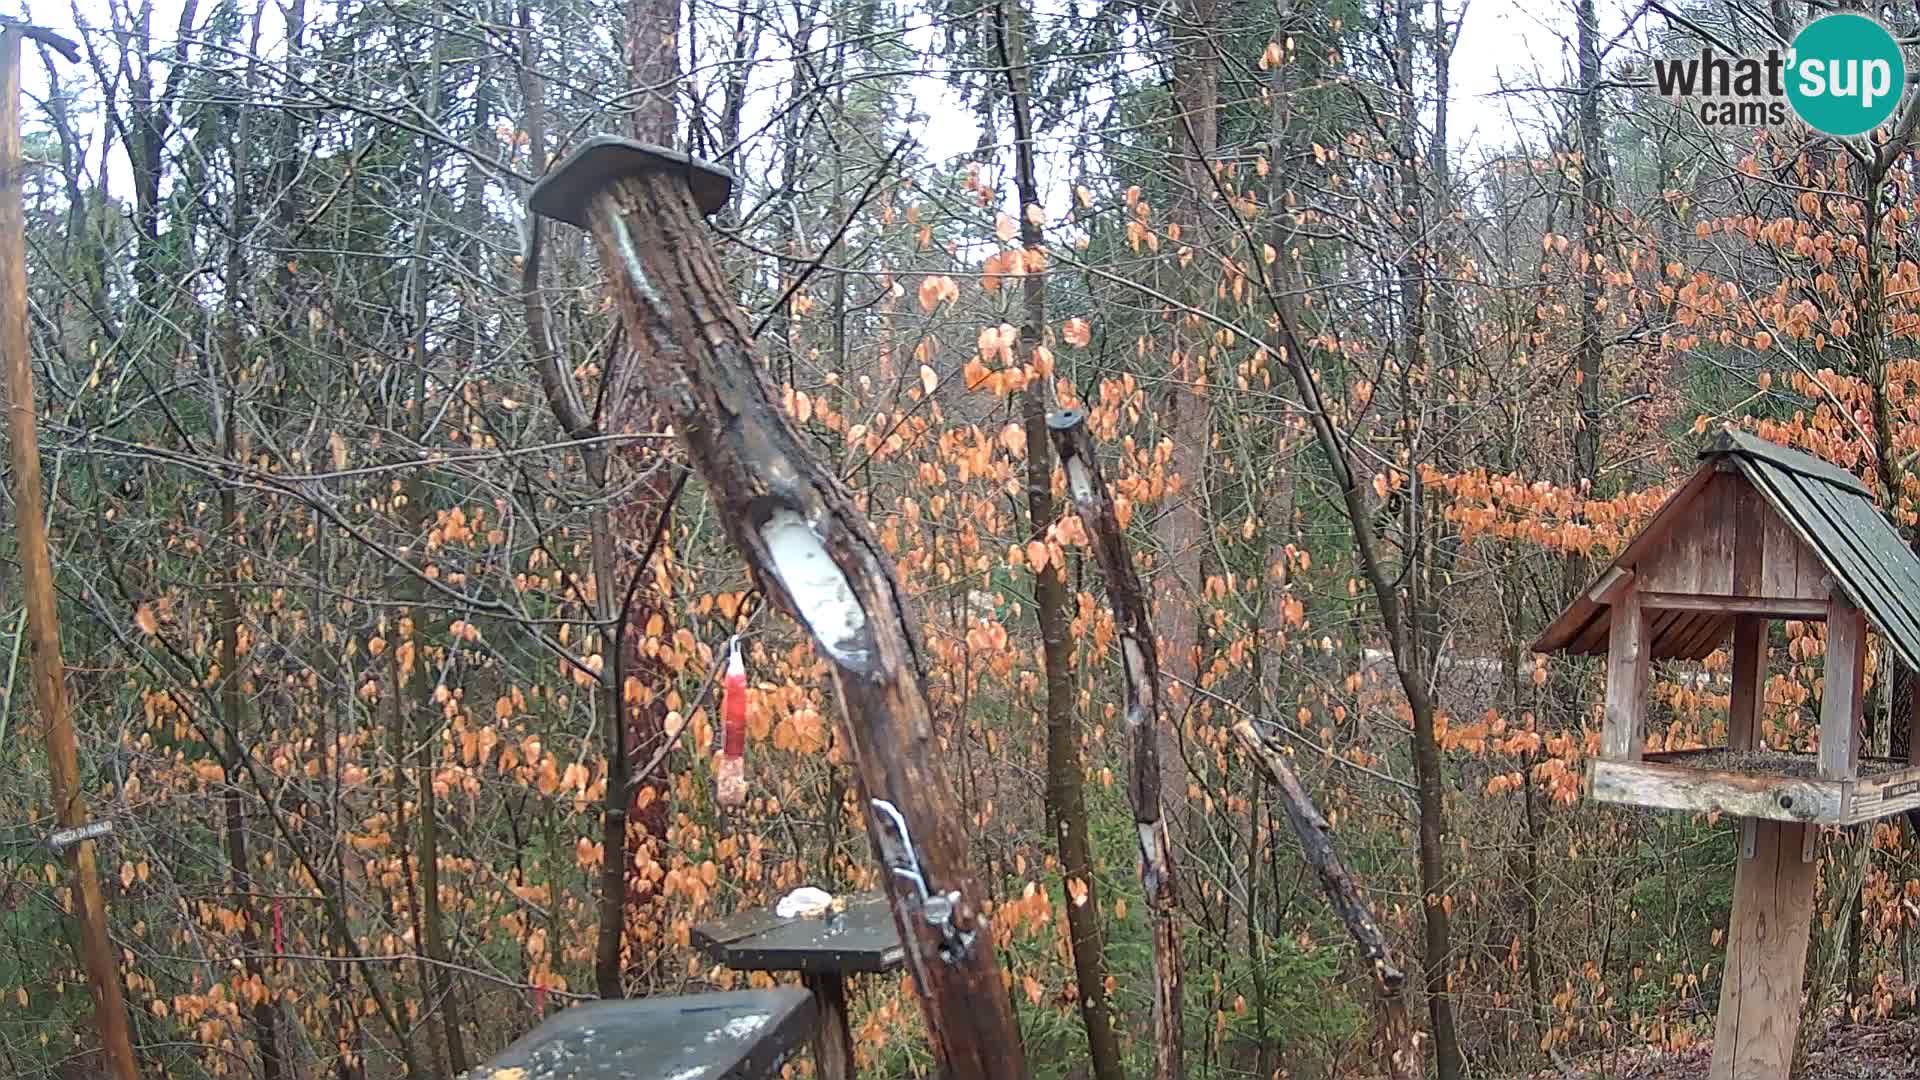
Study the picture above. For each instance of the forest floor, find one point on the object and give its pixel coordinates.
(1882, 1050)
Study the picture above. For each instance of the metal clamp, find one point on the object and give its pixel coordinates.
(936, 908)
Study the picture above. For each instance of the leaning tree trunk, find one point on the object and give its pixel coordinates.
(36, 575)
(1140, 662)
(816, 556)
(1399, 1045)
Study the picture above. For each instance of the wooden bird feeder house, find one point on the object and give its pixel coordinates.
(1758, 534)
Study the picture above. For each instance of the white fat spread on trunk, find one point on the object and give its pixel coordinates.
(1137, 674)
(817, 587)
(1079, 480)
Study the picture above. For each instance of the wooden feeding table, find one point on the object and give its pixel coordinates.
(1758, 534)
(1770, 785)
(861, 939)
(743, 1035)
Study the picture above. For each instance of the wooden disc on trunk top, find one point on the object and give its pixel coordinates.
(568, 189)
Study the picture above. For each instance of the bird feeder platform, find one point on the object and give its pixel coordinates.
(1773, 785)
(743, 1035)
(1759, 534)
(861, 939)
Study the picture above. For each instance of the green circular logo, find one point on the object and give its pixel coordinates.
(1846, 75)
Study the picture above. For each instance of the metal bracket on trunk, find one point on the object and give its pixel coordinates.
(936, 908)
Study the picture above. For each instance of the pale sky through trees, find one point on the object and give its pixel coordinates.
(1501, 44)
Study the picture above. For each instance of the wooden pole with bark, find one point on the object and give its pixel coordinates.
(1141, 664)
(813, 553)
(36, 572)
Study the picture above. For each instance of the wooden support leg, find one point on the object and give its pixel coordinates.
(1842, 714)
(833, 1039)
(1766, 956)
(1749, 682)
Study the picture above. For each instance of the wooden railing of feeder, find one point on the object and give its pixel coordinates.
(812, 552)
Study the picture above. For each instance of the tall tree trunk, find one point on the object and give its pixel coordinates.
(652, 37)
(1413, 605)
(1066, 774)
(652, 47)
(1182, 527)
(631, 726)
(423, 681)
(1593, 220)
(233, 667)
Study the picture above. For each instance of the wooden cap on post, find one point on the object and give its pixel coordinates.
(568, 189)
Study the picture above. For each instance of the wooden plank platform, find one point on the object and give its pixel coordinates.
(742, 1035)
(1668, 781)
(861, 939)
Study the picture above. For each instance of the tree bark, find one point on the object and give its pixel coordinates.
(1141, 665)
(1182, 527)
(1593, 218)
(1400, 1056)
(653, 62)
(1415, 609)
(816, 556)
(652, 46)
(1066, 774)
(36, 580)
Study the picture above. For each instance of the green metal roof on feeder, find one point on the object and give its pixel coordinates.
(1828, 509)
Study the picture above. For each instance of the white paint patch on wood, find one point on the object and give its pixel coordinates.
(1079, 481)
(1142, 686)
(817, 587)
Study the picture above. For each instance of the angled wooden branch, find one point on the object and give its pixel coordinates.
(1400, 1047)
(813, 553)
(1141, 664)
(1399, 1044)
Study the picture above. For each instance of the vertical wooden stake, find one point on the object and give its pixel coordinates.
(1629, 657)
(832, 1037)
(36, 566)
(1841, 714)
(1766, 956)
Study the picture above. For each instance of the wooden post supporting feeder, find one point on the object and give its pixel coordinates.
(1759, 533)
(813, 553)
